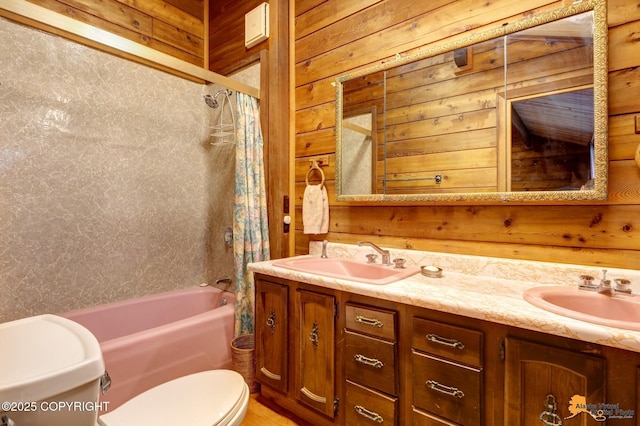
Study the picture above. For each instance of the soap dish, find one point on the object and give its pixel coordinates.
(431, 271)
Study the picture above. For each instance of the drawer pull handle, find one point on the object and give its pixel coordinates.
(375, 363)
(369, 414)
(444, 341)
(448, 390)
(369, 321)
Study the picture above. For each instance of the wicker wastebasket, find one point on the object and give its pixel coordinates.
(243, 358)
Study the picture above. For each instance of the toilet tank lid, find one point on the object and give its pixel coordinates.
(45, 355)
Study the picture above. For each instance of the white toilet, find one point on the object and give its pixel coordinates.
(50, 375)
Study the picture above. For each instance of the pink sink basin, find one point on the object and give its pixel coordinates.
(346, 269)
(615, 311)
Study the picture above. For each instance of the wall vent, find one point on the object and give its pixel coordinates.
(256, 25)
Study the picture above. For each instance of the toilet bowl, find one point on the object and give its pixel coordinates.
(51, 375)
(215, 397)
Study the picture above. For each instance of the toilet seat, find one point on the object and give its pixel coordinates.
(215, 397)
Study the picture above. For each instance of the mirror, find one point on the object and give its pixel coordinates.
(518, 113)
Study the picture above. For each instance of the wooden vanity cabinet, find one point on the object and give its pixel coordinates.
(335, 358)
(296, 359)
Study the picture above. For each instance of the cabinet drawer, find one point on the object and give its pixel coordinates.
(376, 322)
(371, 362)
(449, 390)
(456, 343)
(367, 407)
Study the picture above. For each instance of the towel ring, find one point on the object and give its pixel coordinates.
(314, 166)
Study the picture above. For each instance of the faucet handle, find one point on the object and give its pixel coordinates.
(371, 258)
(586, 282)
(622, 285)
(399, 263)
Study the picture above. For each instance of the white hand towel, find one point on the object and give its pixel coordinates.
(315, 210)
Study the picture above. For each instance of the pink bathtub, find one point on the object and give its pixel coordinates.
(153, 339)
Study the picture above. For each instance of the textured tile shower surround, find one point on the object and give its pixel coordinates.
(109, 188)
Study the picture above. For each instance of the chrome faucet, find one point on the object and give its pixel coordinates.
(605, 284)
(324, 249)
(386, 256)
(604, 287)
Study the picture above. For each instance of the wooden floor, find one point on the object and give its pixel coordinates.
(263, 413)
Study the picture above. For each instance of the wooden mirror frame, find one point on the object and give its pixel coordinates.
(600, 83)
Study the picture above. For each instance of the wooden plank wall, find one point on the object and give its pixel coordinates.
(174, 27)
(333, 37)
(227, 52)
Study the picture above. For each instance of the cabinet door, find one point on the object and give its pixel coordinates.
(271, 334)
(315, 377)
(535, 371)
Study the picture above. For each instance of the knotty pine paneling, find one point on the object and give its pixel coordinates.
(157, 24)
(624, 90)
(326, 13)
(602, 233)
(192, 7)
(565, 234)
(227, 52)
(623, 139)
(302, 6)
(428, 24)
(331, 64)
(623, 45)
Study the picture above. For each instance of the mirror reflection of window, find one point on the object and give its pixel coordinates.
(358, 154)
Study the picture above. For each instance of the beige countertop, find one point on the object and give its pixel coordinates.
(485, 288)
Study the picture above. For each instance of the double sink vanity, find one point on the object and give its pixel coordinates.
(514, 113)
(341, 341)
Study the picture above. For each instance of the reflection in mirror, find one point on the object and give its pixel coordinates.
(516, 113)
(441, 120)
(550, 106)
(545, 156)
(360, 139)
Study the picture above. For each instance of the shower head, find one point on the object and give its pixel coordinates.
(210, 101)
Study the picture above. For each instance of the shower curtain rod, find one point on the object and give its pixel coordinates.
(39, 17)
